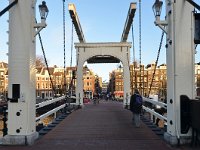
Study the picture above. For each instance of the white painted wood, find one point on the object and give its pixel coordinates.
(120, 50)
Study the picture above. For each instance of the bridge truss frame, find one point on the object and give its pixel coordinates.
(119, 50)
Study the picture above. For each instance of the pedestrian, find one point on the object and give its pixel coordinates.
(136, 107)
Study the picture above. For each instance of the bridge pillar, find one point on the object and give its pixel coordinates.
(21, 65)
(180, 65)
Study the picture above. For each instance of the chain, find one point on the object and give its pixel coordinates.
(72, 38)
(133, 44)
(64, 46)
(42, 47)
(133, 61)
(160, 46)
(140, 43)
(71, 76)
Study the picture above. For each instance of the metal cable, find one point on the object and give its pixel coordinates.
(64, 46)
(160, 46)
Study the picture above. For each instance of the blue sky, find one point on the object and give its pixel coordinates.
(101, 21)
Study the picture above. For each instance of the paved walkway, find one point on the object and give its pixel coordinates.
(105, 126)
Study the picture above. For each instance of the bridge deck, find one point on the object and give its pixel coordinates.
(105, 126)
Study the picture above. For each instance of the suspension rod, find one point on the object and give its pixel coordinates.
(129, 21)
(8, 7)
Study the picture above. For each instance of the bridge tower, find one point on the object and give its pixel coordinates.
(22, 73)
(179, 29)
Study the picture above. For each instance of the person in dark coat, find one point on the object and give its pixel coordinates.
(136, 107)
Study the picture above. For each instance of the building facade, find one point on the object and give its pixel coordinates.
(88, 83)
(44, 87)
(3, 80)
(148, 79)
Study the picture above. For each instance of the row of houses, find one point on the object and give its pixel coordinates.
(50, 82)
(64, 82)
(149, 80)
(141, 78)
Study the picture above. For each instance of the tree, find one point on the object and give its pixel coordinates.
(40, 62)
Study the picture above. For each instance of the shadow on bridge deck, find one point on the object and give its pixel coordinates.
(105, 126)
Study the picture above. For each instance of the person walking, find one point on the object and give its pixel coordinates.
(136, 107)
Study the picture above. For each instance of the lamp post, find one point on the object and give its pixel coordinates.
(43, 11)
(178, 26)
(43, 14)
(22, 74)
(157, 9)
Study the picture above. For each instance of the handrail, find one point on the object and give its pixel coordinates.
(155, 113)
(42, 104)
(152, 111)
(50, 112)
(161, 104)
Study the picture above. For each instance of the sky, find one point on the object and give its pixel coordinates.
(101, 21)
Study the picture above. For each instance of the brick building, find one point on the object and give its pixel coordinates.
(141, 78)
(3, 79)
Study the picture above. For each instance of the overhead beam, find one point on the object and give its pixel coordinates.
(76, 22)
(129, 21)
(103, 59)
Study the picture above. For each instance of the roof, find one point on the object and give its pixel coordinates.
(3, 65)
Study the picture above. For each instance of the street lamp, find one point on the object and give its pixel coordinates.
(43, 10)
(157, 8)
(43, 14)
